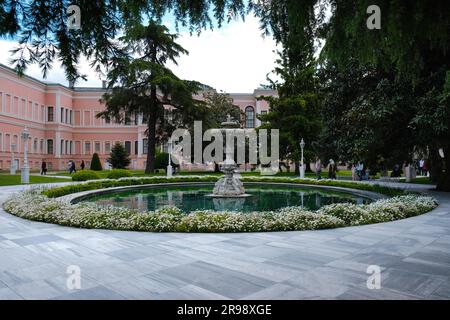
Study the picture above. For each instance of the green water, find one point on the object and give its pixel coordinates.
(195, 198)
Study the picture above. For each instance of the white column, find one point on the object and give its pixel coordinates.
(58, 144)
(140, 144)
(258, 112)
(3, 102)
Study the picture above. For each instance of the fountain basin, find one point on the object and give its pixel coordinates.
(194, 196)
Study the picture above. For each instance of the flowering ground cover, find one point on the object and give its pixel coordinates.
(45, 205)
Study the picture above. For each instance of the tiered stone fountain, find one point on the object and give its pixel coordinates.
(229, 186)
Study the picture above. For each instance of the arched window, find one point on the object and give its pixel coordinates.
(249, 117)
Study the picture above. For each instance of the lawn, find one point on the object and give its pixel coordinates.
(11, 180)
(140, 173)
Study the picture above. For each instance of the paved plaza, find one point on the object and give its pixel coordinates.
(414, 256)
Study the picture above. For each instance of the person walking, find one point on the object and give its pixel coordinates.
(318, 167)
(421, 165)
(353, 172)
(332, 169)
(43, 168)
(361, 171)
(72, 167)
(82, 165)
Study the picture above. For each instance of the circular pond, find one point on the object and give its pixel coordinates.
(192, 198)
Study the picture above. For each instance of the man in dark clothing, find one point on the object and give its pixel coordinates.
(43, 168)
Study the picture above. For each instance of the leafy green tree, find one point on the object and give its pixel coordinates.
(220, 105)
(143, 85)
(119, 157)
(397, 107)
(96, 165)
(41, 27)
(296, 112)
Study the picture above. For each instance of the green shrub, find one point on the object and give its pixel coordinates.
(118, 173)
(85, 175)
(96, 165)
(119, 157)
(162, 161)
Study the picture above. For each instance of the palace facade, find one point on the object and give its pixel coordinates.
(63, 124)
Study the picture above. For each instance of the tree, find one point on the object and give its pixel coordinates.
(296, 112)
(41, 27)
(220, 105)
(96, 165)
(119, 157)
(143, 85)
(402, 97)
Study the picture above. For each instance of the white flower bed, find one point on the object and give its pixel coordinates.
(33, 205)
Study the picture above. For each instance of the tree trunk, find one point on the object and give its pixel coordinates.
(150, 167)
(443, 175)
(151, 145)
(151, 149)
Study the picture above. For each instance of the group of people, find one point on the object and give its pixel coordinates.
(332, 168)
(360, 172)
(71, 167)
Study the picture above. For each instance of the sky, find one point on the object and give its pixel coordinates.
(233, 59)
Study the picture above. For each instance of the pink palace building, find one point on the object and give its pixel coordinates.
(63, 125)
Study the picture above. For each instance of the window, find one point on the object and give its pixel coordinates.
(145, 143)
(249, 117)
(62, 115)
(107, 147)
(128, 146)
(41, 146)
(87, 147)
(35, 145)
(136, 147)
(97, 147)
(263, 112)
(136, 118)
(71, 117)
(49, 146)
(50, 114)
(62, 146)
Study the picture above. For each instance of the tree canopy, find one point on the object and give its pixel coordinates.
(140, 83)
(41, 27)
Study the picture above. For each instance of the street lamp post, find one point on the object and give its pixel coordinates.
(169, 167)
(12, 169)
(302, 165)
(25, 172)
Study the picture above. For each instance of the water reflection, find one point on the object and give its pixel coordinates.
(195, 198)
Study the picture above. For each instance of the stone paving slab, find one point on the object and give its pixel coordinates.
(413, 254)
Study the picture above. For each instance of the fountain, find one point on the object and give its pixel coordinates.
(229, 186)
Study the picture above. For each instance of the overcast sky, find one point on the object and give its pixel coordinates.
(235, 58)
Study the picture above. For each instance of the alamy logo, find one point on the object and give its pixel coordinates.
(374, 20)
(374, 280)
(244, 145)
(74, 17)
(74, 277)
